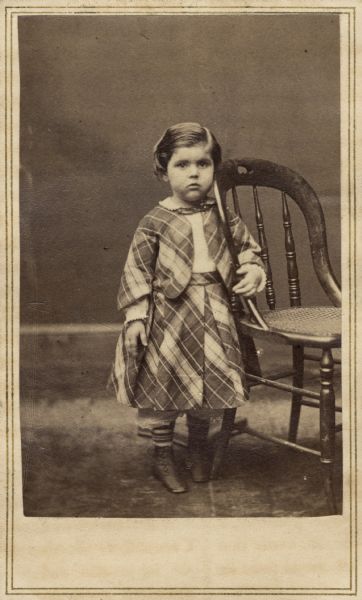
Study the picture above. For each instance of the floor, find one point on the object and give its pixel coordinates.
(82, 456)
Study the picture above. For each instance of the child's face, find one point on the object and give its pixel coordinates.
(190, 173)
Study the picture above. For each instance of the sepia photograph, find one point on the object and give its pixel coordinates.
(126, 123)
(180, 217)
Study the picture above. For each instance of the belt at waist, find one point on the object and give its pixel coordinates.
(205, 278)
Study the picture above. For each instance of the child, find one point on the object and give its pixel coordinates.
(178, 352)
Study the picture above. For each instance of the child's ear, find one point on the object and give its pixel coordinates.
(164, 177)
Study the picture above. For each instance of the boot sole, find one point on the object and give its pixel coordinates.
(173, 491)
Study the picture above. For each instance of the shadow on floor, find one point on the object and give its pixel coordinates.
(82, 456)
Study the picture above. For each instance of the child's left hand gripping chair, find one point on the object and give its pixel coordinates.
(317, 327)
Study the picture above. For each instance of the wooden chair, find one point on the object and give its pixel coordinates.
(317, 327)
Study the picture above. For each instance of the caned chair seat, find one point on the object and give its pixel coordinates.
(312, 325)
(301, 327)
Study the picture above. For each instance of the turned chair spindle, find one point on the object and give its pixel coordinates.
(269, 287)
(300, 327)
(292, 267)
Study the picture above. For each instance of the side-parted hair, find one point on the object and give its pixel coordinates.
(181, 135)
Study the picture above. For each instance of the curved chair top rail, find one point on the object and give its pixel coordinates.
(257, 172)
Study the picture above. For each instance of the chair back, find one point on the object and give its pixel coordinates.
(257, 173)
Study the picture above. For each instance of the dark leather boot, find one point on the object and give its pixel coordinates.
(165, 470)
(198, 458)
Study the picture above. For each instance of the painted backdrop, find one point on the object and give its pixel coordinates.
(96, 94)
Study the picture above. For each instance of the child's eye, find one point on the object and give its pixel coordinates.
(204, 163)
(182, 164)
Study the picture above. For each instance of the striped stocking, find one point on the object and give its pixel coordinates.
(162, 435)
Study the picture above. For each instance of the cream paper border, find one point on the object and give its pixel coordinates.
(46, 557)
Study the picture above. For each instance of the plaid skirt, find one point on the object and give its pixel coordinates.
(193, 358)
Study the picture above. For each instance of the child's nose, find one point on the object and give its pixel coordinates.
(194, 171)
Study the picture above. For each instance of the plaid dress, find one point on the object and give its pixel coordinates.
(193, 358)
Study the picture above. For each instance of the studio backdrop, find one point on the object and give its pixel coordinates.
(97, 92)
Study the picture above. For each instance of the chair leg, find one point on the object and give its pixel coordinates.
(327, 427)
(223, 441)
(298, 366)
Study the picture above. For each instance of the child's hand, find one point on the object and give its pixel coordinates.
(252, 276)
(135, 333)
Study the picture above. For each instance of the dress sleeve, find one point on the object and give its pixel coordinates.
(248, 249)
(138, 274)
(138, 310)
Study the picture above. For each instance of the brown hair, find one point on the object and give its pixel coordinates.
(183, 134)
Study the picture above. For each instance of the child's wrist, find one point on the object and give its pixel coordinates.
(129, 322)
